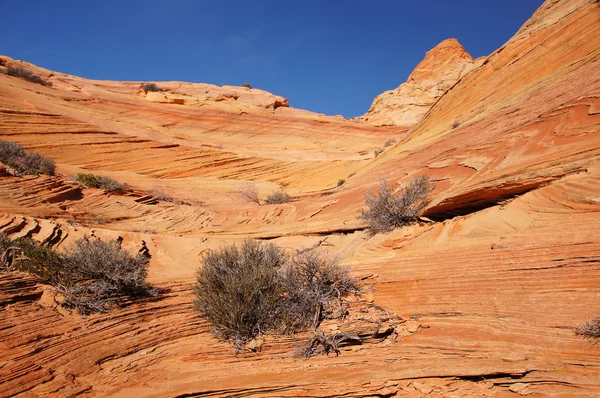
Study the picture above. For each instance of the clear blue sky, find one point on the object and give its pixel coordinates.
(328, 56)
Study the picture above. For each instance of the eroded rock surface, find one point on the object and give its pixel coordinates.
(488, 291)
(441, 68)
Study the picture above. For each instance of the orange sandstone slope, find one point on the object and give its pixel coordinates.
(441, 68)
(494, 284)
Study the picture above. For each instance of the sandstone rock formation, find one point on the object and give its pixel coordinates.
(441, 68)
(488, 291)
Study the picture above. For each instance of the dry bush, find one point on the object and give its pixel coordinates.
(91, 275)
(363, 152)
(28, 75)
(25, 162)
(314, 284)
(590, 329)
(10, 150)
(456, 124)
(278, 197)
(151, 87)
(341, 182)
(378, 152)
(103, 182)
(246, 85)
(390, 142)
(390, 210)
(248, 292)
(237, 290)
(250, 193)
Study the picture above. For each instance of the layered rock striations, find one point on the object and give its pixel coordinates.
(441, 68)
(489, 289)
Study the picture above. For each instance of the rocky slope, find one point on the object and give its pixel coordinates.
(441, 68)
(488, 291)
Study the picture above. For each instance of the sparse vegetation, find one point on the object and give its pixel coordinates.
(256, 289)
(590, 329)
(247, 85)
(456, 124)
(94, 181)
(28, 75)
(378, 152)
(390, 142)
(151, 87)
(278, 197)
(159, 193)
(90, 276)
(25, 162)
(341, 182)
(250, 193)
(363, 152)
(388, 210)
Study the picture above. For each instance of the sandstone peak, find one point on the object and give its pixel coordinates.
(437, 60)
(441, 68)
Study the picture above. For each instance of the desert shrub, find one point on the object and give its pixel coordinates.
(590, 329)
(151, 87)
(25, 162)
(10, 150)
(312, 281)
(378, 152)
(28, 75)
(42, 261)
(250, 193)
(256, 289)
(278, 197)
(456, 124)
(238, 291)
(341, 182)
(247, 85)
(91, 275)
(93, 181)
(390, 142)
(390, 210)
(159, 193)
(363, 152)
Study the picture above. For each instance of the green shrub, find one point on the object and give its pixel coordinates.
(103, 182)
(390, 210)
(28, 75)
(278, 198)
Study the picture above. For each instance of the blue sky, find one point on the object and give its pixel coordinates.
(327, 56)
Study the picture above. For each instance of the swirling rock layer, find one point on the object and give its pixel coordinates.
(489, 290)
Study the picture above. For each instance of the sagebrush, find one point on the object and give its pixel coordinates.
(94, 181)
(388, 210)
(256, 289)
(91, 275)
(278, 197)
(25, 162)
(151, 87)
(28, 75)
(590, 329)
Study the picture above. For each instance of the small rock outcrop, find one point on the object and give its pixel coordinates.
(441, 68)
